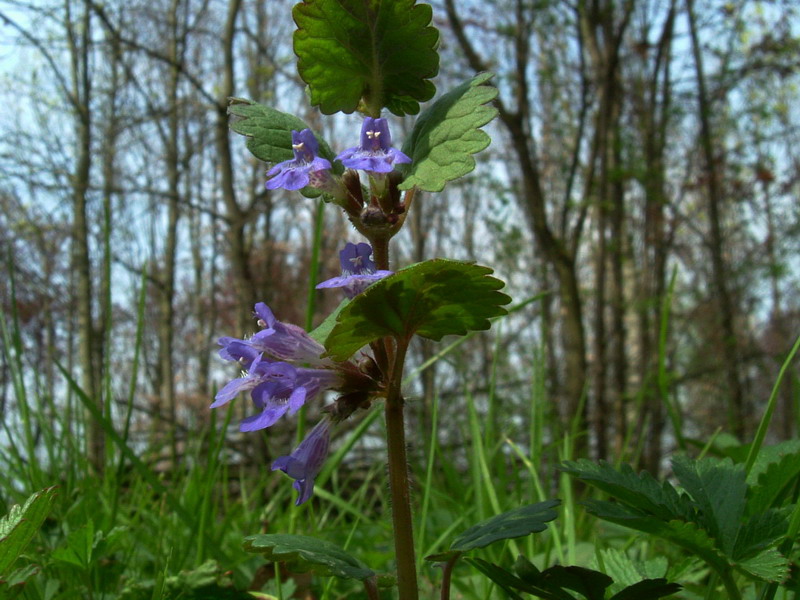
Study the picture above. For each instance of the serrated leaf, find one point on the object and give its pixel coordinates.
(269, 131)
(381, 51)
(648, 589)
(21, 523)
(508, 525)
(626, 571)
(308, 554)
(775, 471)
(448, 133)
(761, 532)
(770, 565)
(641, 491)
(432, 299)
(719, 489)
(687, 535)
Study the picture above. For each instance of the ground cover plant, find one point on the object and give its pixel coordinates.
(498, 520)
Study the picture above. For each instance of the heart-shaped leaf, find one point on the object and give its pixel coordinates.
(381, 52)
(448, 133)
(308, 554)
(432, 299)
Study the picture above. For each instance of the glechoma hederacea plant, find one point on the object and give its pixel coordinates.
(368, 57)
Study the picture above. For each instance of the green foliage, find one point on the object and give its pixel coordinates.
(321, 332)
(563, 583)
(508, 525)
(357, 55)
(708, 519)
(19, 526)
(207, 582)
(448, 133)
(269, 131)
(432, 299)
(308, 554)
(775, 471)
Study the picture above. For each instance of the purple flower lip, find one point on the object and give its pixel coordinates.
(305, 462)
(297, 173)
(358, 270)
(375, 154)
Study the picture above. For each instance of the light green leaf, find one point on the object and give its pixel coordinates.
(320, 334)
(379, 52)
(308, 554)
(432, 299)
(775, 471)
(770, 565)
(269, 131)
(19, 526)
(448, 133)
(508, 525)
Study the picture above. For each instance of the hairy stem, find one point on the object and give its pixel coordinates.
(398, 481)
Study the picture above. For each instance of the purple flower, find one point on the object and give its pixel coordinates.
(277, 340)
(303, 168)
(375, 153)
(276, 388)
(305, 463)
(358, 270)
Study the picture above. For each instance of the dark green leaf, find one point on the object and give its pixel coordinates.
(648, 589)
(761, 532)
(431, 299)
(448, 133)
(510, 582)
(719, 489)
(508, 525)
(588, 583)
(308, 554)
(21, 523)
(640, 491)
(381, 52)
(770, 565)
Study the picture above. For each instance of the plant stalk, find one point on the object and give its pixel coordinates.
(398, 481)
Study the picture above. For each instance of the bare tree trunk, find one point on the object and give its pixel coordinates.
(79, 38)
(736, 417)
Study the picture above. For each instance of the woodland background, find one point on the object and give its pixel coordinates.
(642, 187)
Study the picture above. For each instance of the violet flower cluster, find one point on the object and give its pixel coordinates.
(374, 154)
(284, 369)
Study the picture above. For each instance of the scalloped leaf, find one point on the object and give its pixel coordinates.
(380, 51)
(448, 133)
(432, 299)
(308, 554)
(269, 131)
(508, 525)
(719, 489)
(21, 523)
(761, 532)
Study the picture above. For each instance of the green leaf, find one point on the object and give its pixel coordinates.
(21, 523)
(79, 547)
(380, 51)
(320, 334)
(308, 554)
(510, 582)
(775, 471)
(269, 131)
(626, 571)
(770, 565)
(433, 299)
(761, 532)
(648, 589)
(588, 583)
(508, 525)
(448, 133)
(640, 491)
(719, 489)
